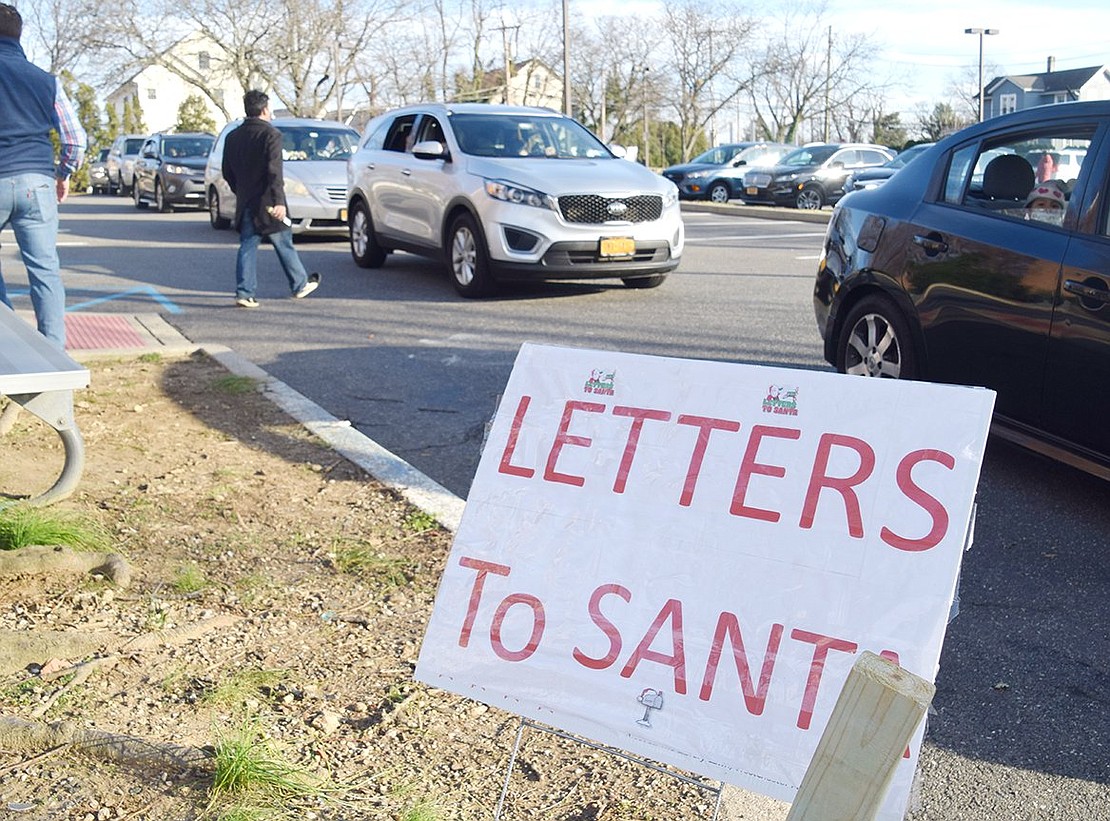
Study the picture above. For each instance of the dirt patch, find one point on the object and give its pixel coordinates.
(276, 591)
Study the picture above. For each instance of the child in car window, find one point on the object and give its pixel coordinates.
(1046, 202)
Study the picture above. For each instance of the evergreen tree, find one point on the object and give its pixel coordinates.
(192, 115)
(114, 127)
(133, 116)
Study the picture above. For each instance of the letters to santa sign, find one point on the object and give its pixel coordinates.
(683, 559)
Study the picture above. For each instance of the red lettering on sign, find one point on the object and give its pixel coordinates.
(755, 698)
(672, 611)
(510, 446)
(539, 620)
(843, 485)
(749, 465)
(607, 627)
(564, 438)
(706, 425)
(484, 569)
(914, 493)
(821, 647)
(638, 416)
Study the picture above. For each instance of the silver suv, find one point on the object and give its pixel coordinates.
(314, 155)
(121, 162)
(508, 193)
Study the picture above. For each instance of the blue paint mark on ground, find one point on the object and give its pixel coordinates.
(142, 290)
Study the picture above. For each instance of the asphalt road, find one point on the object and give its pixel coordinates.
(1022, 723)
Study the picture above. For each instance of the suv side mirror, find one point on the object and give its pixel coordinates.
(430, 150)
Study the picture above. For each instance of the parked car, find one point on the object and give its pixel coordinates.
(945, 273)
(314, 154)
(508, 193)
(812, 176)
(718, 174)
(169, 170)
(875, 176)
(121, 162)
(98, 172)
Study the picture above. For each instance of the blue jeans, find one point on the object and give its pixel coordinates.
(29, 203)
(246, 264)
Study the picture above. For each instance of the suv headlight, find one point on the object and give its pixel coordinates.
(671, 197)
(177, 169)
(508, 192)
(697, 175)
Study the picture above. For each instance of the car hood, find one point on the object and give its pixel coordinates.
(689, 168)
(559, 177)
(783, 170)
(879, 173)
(196, 163)
(317, 172)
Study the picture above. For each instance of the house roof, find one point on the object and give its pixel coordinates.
(1048, 82)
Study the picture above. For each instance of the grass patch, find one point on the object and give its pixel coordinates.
(424, 811)
(419, 522)
(21, 525)
(235, 385)
(189, 579)
(364, 561)
(150, 358)
(243, 686)
(253, 780)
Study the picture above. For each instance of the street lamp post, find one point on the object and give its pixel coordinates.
(981, 32)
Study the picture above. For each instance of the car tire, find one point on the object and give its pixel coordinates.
(160, 198)
(719, 192)
(809, 198)
(113, 188)
(875, 340)
(218, 223)
(137, 197)
(652, 281)
(468, 259)
(365, 249)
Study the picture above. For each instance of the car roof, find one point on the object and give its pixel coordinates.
(278, 122)
(1037, 115)
(448, 109)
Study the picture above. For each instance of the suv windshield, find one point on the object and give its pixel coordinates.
(312, 143)
(808, 156)
(132, 146)
(522, 135)
(717, 156)
(187, 146)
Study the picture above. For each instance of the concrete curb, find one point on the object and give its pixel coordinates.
(767, 212)
(388, 468)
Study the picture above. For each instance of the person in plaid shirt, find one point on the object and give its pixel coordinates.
(32, 104)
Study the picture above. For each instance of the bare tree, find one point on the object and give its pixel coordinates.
(707, 43)
(58, 32)
(804, 74)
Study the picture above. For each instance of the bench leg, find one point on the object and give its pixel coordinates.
(55, 408)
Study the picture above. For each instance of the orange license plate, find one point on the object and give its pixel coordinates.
(751, 191)
(618, 246)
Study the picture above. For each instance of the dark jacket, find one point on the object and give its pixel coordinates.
(27, 113)
(252, 168)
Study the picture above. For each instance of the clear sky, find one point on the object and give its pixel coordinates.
(924, 45)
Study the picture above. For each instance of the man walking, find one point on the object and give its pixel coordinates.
(32, 104)
(252, 167)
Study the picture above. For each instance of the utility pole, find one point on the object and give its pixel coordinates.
(505, 29)
(828, 80)
(566, 61)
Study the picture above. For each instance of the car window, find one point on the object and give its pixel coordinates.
(398, 136)
(870, 157)
(1016, 175)
(526, 135)
(181, 147)
(814, 155)
(313, 142)
(132, 146)
(431, 130)
(716, 156)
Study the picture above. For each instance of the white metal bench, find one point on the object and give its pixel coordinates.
(37, 376)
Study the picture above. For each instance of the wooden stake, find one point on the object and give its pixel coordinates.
(874, 717)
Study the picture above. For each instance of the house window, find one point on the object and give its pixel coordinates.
(152, 93)
(203, 61)
(1007, 103)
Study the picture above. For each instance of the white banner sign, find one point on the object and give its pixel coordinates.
(682, 559)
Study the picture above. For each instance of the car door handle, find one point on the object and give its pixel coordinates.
(407, 172)
(932, 244)
(1080, 289)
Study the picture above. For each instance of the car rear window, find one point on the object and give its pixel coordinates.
(314, 143)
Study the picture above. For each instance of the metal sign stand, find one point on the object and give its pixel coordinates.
(527, 722)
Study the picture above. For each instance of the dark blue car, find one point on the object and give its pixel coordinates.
(718, 174)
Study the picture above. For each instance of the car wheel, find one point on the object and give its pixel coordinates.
(809, 198)
(137, 198)
(113, 187)
(719, 192)
(875, 340)
(653, 281)
(364, 245)
(214, 217)
(160, 198)
(468, 259)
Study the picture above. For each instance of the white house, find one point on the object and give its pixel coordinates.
(531, 82)
(1016, 92)
(160, 92)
